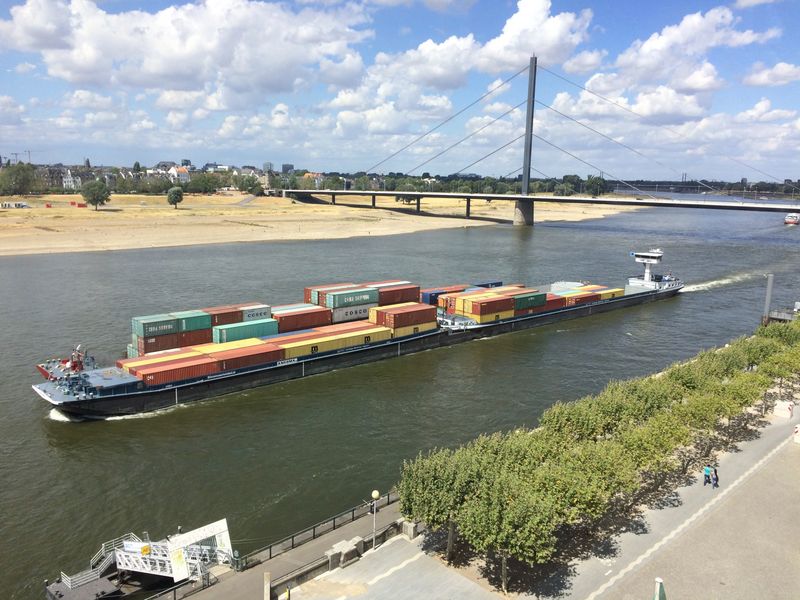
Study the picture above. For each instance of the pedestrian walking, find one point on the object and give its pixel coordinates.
(715, 479)
(706, 475)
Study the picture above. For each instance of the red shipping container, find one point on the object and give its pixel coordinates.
(193, 338)
(582, 299)
(179, 370)
(248, 357)
(398, 293)
(405, 316)
(155, 343)
(493, 305)
(306, 318)
(223, 315)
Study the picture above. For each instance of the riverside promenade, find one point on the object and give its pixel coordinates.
(737, 542)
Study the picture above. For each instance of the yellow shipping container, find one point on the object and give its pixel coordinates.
(335, 342)
(153, 359)
(612, 293)
(490, 318)
(246, 343)
(412, 329)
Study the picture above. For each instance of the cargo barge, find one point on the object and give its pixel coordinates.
(227, 354)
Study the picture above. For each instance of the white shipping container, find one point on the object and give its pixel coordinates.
(388, 284)
(352, 313)
(256, 312)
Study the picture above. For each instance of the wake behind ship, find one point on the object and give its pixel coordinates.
(194, 355)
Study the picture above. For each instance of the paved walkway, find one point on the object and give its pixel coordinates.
(739, 541)
(709, 543)
(249, 584)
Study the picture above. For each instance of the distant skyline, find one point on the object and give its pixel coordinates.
(332, 85)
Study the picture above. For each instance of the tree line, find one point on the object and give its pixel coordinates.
(511, 495)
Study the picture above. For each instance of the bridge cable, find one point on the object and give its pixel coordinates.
(465, 138)
(495, 151)
(448, 119)
(610, 139)
(672, 131)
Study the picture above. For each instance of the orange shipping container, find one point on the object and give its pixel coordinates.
(248, 357)
(178, 371)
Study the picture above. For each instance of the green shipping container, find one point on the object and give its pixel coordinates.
(242, 331)
(192, 320)
(132, 351)
(151, 325)
(352, 297)
(530, 300)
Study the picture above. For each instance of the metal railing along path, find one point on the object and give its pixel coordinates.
(644, 202)
(311, 533)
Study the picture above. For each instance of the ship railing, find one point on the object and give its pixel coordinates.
(311, 533)
(107, 548)
(73, 581)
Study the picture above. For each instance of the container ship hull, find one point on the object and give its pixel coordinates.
(212, 386)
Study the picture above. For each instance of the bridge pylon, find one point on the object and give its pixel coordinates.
(523, 209)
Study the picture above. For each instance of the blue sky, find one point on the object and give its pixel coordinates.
(340, 85)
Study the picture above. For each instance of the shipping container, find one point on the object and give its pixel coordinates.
(188, 369)
(241, 331)
(611, 293)
(530, 300)
(256, 312)
(223, 315)
(353, 297)
(582, 298)
(399, 332)
(464, 303)
(335, 342)
(309, 293)
(157, 358)
(150, 325)
(383, 284)
(405, 316)
(351, 313)
(133, 352)
(488, 284)
(491, 318)
(193, 338)
(313, 297)
(591, 287)
(206, 348)
(156, 343)
(398, 293)
(248, 357)
(373, 312)
(282, 308)
(306, 318)
(485, 306)
(192, 320)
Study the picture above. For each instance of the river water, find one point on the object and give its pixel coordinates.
(277, 459)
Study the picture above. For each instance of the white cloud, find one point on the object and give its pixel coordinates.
(750, 3)
(178, 99)
(585, 62)
(533, 30)
(780, 74)
(25, 67)
(344, 73)
(176, 119)
(87, 99)
(10, 110)
(763, 112)
(185, 46)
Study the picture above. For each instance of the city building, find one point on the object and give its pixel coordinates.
(268, 166)
(287, 168)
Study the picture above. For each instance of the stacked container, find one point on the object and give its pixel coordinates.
(294, 317)
(405, 319)
(240, 331)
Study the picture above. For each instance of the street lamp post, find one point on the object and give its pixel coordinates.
(375, 495)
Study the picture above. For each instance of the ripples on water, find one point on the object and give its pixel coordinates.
(276, 459)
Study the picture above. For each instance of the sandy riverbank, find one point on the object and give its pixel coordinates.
(129, 222)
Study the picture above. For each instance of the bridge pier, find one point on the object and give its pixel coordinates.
(523, 212)
(469, 206)
(333, 198)
(418, 203)
(373, 200)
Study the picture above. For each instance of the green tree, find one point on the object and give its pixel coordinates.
(203, 183)
(175, 196)
(17, 179)
(95, 192)
(363, 183)
(563, 189)
(137, 167)
(596, 186)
